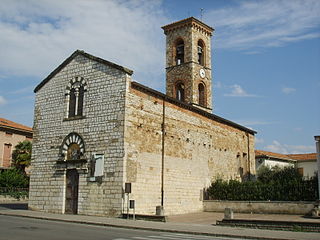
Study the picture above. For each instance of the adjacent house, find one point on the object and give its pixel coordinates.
(271, 159)
(306, 163)
(11, 134)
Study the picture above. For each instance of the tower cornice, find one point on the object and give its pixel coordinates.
(195, 23)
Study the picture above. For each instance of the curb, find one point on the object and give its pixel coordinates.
(144, 228)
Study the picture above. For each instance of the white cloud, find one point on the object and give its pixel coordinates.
(259, 140)
(238, 91)
(28, 89)
(2, 100)
(265, 23)
(36, 36)
(288, 90)
(277, 147)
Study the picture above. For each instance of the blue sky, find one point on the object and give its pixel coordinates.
(265, 56)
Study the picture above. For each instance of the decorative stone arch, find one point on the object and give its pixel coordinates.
(202, 94)
(178, 51)
(179, 90)
(75, 96)
(201, 52)
(72, 147)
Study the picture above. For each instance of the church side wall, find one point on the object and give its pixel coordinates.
(197, 150)
(102, 133)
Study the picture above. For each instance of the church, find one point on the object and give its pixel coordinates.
(101, 139)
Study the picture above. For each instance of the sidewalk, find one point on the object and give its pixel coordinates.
(212, 217)
(197, 223)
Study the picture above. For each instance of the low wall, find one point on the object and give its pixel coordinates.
(279, 207)
(9, 199)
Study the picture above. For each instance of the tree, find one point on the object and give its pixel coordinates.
(21, 155)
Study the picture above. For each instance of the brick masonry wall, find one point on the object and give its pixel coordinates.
(101, 129)
(188, 72)
(197, 150)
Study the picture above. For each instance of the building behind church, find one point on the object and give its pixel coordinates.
(11, 133)
(96, 130)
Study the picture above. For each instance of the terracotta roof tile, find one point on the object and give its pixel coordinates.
(261, 153)
(296, 157)
(303, 157)
(13, 125)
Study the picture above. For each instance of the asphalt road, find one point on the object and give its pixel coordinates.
(19, 228)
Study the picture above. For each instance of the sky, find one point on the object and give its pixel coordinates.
(265, 56)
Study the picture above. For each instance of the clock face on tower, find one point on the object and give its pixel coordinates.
(202, 73)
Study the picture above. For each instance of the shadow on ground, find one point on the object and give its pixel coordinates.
(14, 206)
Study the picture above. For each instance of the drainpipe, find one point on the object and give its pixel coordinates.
(317, 138)
(160, 209)
(248, 143)
(162, 153)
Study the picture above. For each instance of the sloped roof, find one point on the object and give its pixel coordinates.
(261, 153)
(190, 107)
(5, 123)
(87, 55)
(304, 157)
(293, 157)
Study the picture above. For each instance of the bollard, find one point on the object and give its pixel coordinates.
(159, 211)
(228, 213)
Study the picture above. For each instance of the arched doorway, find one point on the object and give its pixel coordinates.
(72, 187)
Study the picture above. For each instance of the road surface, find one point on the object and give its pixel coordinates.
(19, 228)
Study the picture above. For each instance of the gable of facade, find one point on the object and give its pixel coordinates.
(11, 133)
(79, 119)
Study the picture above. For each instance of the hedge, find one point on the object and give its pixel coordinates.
(279, 185)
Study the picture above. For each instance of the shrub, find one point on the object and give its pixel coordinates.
(272, 184)
(14, 183)
(13, 178)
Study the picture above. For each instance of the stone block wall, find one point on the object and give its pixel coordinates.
(265, 207)
(196, 151)
(101, 128)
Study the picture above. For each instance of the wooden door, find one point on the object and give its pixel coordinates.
(72, 191)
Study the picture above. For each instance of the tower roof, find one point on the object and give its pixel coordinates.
(188, 21)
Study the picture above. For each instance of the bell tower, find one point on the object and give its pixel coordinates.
(188, 62)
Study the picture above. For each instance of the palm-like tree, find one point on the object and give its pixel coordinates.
(21, 155)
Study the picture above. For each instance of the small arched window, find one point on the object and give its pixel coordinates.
(72, 103)
(179, 52)
(80, 101)
(201, 52)
(202, 94)
(75, 96)
(180, 91)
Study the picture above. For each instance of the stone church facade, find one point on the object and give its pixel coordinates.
(96, 130)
